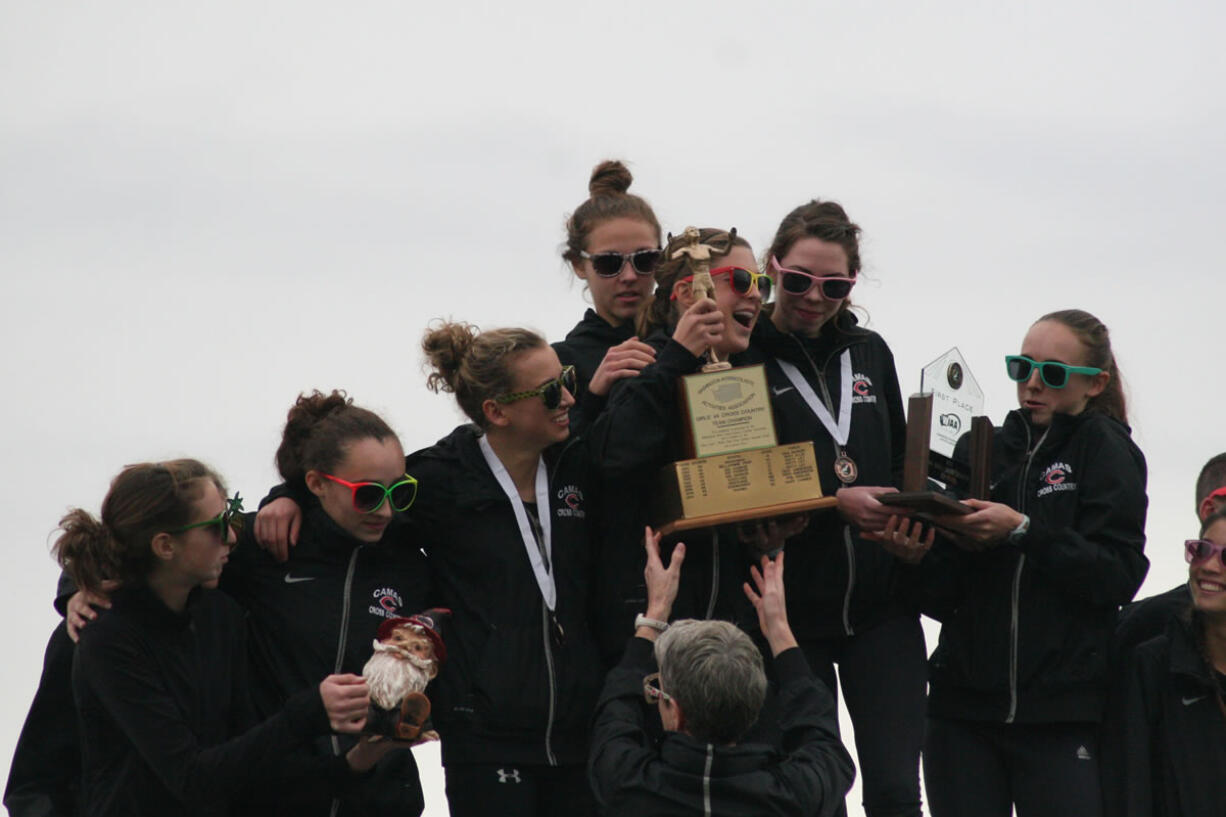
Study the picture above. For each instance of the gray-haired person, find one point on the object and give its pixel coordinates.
(707, 680)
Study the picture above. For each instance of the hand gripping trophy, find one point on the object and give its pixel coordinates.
(698, 259)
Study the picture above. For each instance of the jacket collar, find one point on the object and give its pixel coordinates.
(595, 328)
(689, 755)
(1186, 659)
(461, 446)
(143, 604)
(838, 334)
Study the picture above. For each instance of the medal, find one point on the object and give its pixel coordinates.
(845, 468)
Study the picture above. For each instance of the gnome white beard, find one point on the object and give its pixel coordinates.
(392, 673)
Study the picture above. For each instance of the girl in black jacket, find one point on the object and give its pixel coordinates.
(159, 680)
(1165, 747)
(503, 516)
(641, 430)
(1028, 587)
(833, 382)
(612, 245)
(352, 568)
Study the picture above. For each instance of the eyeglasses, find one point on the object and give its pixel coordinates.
(1052, 372)
(743, 281)
(1198, 550)
(609, 264)
(230, 518)
(551, 392)
(798, 282)
(368, 497)
(652, 691)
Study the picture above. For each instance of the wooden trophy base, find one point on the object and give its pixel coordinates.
(928, 503)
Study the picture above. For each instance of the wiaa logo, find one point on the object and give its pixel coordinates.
(951, 421)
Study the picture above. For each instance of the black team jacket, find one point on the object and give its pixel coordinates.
(837, 583)
(513, 690)
(636, 435)
(1165, 747)
(1027, 626)
(161, 696)
(633, 775)
(584, 348)
(318, 613)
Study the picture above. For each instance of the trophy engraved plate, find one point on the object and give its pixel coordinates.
(743, 485)
(727, 411)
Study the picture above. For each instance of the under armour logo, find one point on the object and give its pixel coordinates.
(509, 777)
(1083, 753)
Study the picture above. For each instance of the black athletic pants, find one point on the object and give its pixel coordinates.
(883, 672)
(511, 790)
(980, 769)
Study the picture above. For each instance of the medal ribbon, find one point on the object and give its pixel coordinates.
(838, 431)
(544, 577)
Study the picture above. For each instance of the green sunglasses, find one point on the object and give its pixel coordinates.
(1051, 372)
(231, 517)
(550, 393)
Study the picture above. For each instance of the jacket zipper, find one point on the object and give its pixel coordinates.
(342, 641)
(553, 686)
(550, 758)
(851, 579)
(714, 594)
(820, 373)
(1017, 580)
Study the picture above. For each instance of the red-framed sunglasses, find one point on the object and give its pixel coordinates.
(798, 282)
(743, 281)
(1198, 550)
(369, 497)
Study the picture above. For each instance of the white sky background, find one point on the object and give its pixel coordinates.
(205, 209)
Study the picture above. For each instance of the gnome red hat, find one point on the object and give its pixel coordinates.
(426, 622)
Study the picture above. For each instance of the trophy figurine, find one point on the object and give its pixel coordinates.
(698, 259)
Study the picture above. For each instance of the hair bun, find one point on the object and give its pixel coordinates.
(445, 345)
(609, 178)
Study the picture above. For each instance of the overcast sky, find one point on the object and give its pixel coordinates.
(206, 208)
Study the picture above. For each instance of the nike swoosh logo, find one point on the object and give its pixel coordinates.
(778, 391)
(1190, 701)
(295, 579)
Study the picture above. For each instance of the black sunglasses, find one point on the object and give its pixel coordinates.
(609, 264)
(551, 392)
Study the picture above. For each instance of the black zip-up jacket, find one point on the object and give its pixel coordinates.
(638, 433)
(160, 696)
(509, 692)
(837, 583)
(44, 780)
(1165, 749)
(633, 776)
(318, 613)
(1027, 626)
(584, 348)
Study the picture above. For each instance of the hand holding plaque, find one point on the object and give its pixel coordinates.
(950, 404)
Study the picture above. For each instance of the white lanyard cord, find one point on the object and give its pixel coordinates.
(544, 577)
